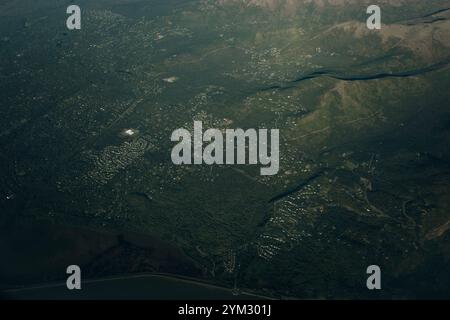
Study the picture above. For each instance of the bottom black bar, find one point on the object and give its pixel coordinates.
(274, 309)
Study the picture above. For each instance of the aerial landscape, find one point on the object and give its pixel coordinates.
(86, 175)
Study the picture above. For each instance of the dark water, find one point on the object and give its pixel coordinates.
(142, 287)
(297, 188)
(339, 76)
